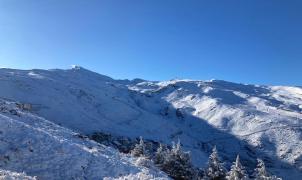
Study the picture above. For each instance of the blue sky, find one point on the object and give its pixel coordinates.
(249, 41)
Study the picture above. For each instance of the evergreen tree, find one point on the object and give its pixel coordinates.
(261, 173)
(215, 169)
(177, 163)
(139, 149)
(237, 171)
(160, 155)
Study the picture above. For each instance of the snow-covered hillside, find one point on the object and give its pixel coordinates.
(31, 144)
(254, 121)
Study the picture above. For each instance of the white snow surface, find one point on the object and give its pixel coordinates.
(31, 144)
(8, 175)
(250, 120)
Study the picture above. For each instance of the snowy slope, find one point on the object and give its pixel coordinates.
(31, 144)
(255, 121)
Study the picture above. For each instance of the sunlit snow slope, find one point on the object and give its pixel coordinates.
(254, 121)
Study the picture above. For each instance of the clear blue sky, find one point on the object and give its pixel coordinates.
(249, 41)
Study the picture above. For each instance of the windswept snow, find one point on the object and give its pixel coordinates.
(252, 120)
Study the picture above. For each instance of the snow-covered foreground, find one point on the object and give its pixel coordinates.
(31, 144)
(250, 120)
(8, 175)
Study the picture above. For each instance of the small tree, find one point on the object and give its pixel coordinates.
(237, 171)
(261, 172)
(215, 169)
(160, 155)
(139, 149)
(177, 163)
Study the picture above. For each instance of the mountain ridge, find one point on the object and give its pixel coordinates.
(258, 120)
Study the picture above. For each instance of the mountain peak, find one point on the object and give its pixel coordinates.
(76, 67)
(86, 72)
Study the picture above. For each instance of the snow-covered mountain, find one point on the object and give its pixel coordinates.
(250, 120)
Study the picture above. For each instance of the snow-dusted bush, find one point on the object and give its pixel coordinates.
(237, 171)
(143, 161)
(144, 175)
(215, 169)
(261, 172)
(139, 149)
